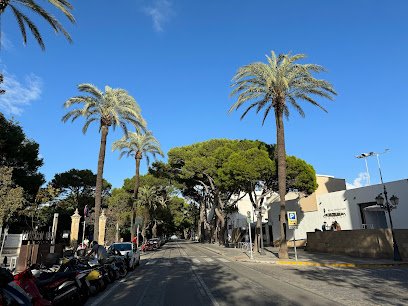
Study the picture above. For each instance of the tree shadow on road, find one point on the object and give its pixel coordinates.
(173, 278)
(382, 286)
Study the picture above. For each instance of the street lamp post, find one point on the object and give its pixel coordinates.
(390, 205)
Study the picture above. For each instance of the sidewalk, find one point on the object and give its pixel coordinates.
(304, 258)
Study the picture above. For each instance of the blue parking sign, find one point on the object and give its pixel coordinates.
(292, 219)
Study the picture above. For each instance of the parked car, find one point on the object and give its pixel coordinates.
(127, 249)
(156, 242)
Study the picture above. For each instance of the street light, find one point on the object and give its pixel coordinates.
(390, 206)
(365, 156)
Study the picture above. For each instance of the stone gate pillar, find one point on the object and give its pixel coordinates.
(102, 225)
(75, 219)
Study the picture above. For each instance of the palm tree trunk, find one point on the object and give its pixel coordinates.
(99, 177)
(135, 194)
(280, 135)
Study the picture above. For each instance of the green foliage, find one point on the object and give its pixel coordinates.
(21, 154)
(300, 175)
(181, 214)
(118, 206)
(23, 21)
(147, 180)
(78, 187)
(11, 195)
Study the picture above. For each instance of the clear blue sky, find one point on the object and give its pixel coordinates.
(177, 59)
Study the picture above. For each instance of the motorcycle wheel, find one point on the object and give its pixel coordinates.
(122, 272)
(102, 284)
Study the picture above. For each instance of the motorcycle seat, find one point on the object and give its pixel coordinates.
(49, 278)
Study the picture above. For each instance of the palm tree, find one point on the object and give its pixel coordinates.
(152, 198)
(137, 145)
(114, 107)
(24, 21)
(274, 86)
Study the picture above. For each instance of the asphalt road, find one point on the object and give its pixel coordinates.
(183, 273)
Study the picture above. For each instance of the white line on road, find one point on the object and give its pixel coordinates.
(208, 259)
(99, 300)
(204, 286)
(223, 259)
(195, 260)
(151, 262)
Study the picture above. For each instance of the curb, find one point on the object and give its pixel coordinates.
(341, 265)
(315, 264)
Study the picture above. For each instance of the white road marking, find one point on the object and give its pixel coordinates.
(223, 259)
(151, 262)
(208, 259)
(203, 286)
(195, 260)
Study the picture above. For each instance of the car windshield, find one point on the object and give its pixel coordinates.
(122, 246)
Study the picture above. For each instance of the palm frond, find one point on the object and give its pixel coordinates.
(269, 85)
(31, 26)
(65, 7)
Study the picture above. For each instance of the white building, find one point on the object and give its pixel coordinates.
(352, 209)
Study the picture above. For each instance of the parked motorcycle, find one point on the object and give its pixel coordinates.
(27, 282)
(120, 262)
(10, 293)
(59, 287)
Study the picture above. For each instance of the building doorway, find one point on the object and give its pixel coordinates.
(372, 216)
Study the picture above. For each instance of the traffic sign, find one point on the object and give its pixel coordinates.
(249, 217)
(292, 219)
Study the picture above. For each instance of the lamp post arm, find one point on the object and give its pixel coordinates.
(379, 169)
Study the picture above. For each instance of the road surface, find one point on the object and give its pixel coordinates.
(184, 273)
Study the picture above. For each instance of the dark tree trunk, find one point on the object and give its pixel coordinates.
(201, 227)
(221, 226)
(138, 157)
(280, 135)
(154, 229)
(258, 232)
(99, 177)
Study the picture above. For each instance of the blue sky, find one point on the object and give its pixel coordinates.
(177, 58)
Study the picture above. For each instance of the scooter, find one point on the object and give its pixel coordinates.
(10, 293)
(59, 287)
(27, 282)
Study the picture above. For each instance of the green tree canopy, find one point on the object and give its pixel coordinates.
(21, 154)
(217, 173)
(11, 195)
(78, 187)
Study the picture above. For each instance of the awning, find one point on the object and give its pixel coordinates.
(374, 208)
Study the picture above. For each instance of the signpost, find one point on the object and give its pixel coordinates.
(249, 231)
(293, 224)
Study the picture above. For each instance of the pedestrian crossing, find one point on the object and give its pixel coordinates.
(185, 260)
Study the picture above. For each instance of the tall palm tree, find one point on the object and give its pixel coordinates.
(274, 86)
(137, 145)
(24, 21)
(114, 107)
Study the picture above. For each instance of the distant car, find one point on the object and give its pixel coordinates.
(128, 249)
(156, 242)
(174, 237)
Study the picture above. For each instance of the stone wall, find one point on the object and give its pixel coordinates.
(376, 243)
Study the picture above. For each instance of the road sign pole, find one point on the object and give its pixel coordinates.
(249, 231)
(250, 240)
(294, 244)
